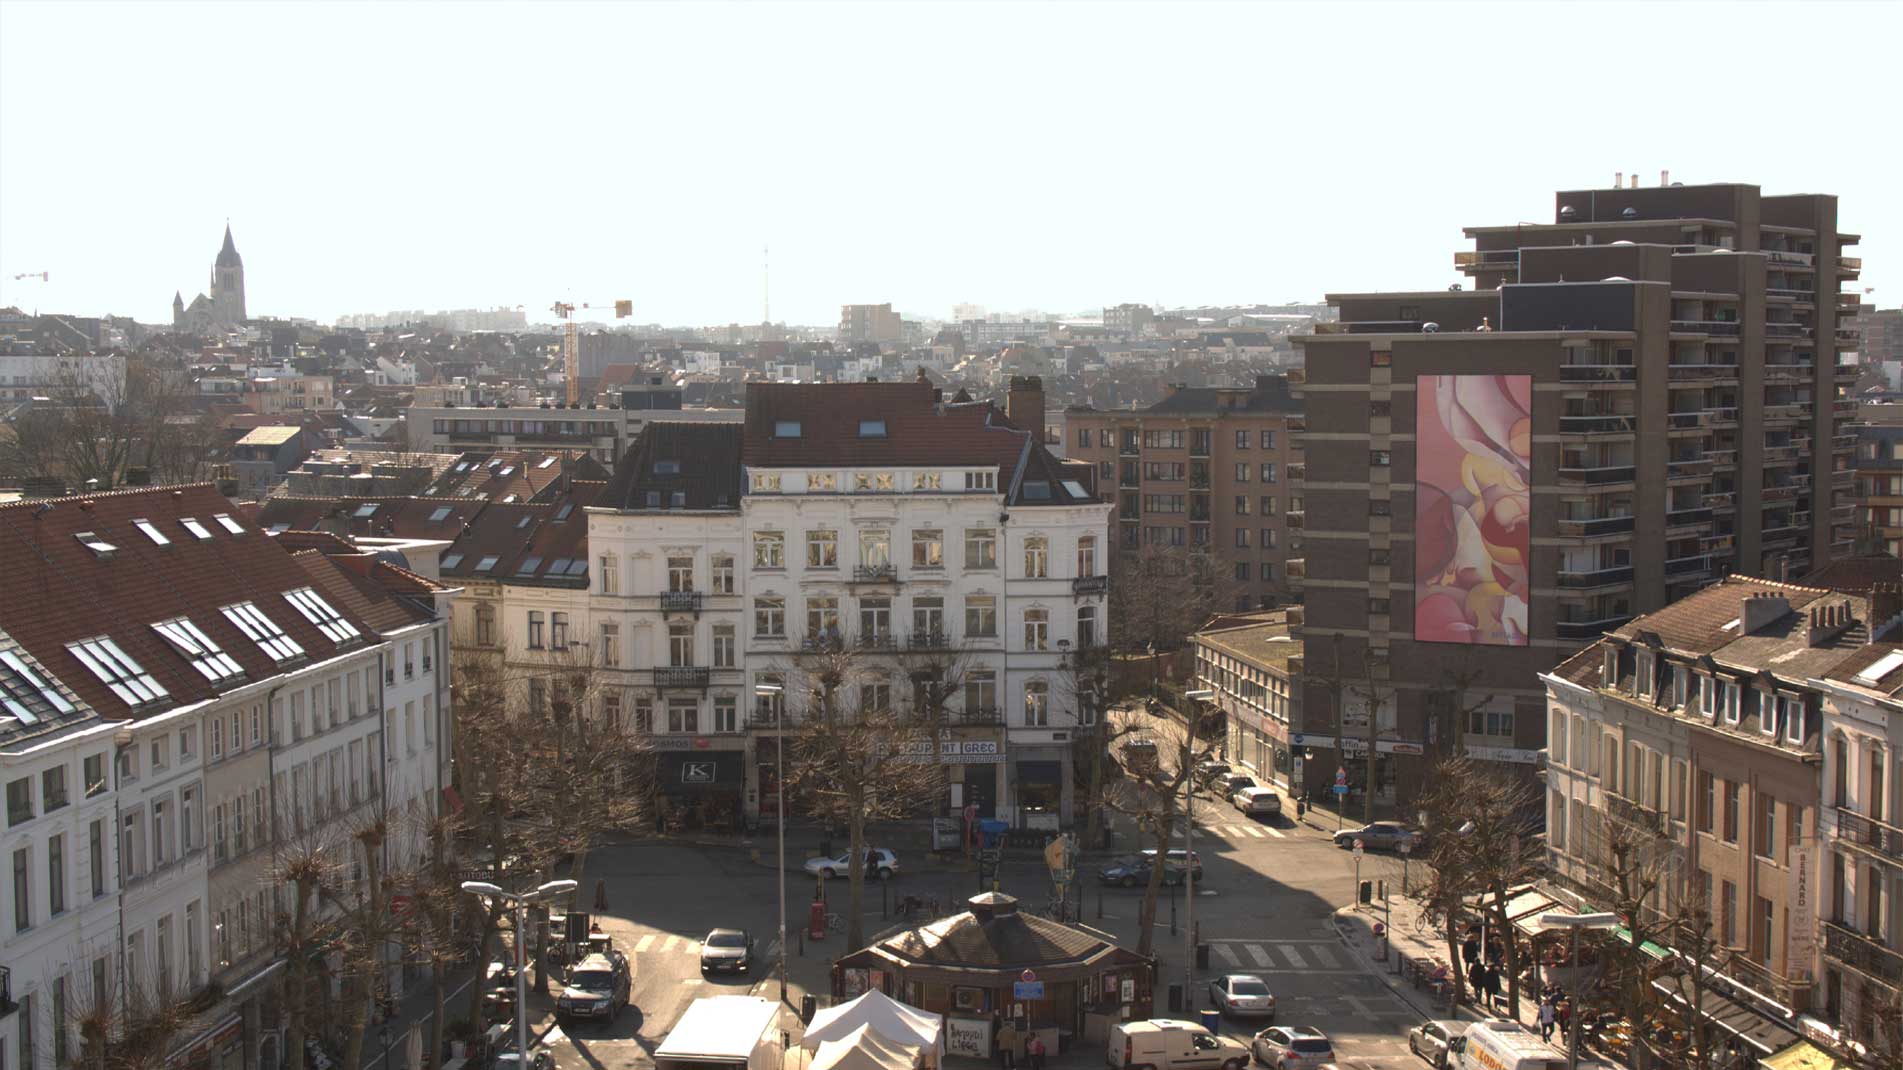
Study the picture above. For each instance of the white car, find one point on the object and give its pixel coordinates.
(1257, 801)
(1242, 995)
(1430, 1039)
(1292, 1048)
(880, 863)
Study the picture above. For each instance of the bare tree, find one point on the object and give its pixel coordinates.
(855, 759)
(1159, 595)
(1449, 880)
(118, 1022)
(1085, 681)
(1150, 797)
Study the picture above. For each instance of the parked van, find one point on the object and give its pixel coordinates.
(1502, 1045)
(1171, 1044)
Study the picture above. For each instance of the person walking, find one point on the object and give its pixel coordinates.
(1008, 1045)
(1547, 1018)
(601, 896)
(1035, 1048)
(1563, 1016)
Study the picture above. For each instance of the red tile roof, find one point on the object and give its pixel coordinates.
(58, 591)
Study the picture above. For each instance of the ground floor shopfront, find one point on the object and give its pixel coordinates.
(701, 782)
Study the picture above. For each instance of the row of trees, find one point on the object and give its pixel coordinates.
(93, 428)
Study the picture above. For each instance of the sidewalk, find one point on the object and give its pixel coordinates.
(1408, 939)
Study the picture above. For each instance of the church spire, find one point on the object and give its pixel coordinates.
(228, 255)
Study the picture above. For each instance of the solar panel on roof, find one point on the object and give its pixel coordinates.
(1882, 667)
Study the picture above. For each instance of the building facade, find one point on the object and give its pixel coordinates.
(1254, 665)
(876, 324)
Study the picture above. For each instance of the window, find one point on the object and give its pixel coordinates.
(22, 890)
(1731, 811)
(928, 617)
(769, 616)
(822, 617)
(1163, 440)
(1268, 473)
(822, 549)
(1486, 722)
(1242, 571)
(680, 643)
(726, 714)
(322, 614)
(1380, 459)
(158, 537)
(1268, 440)
(1086, 626)
(485, 625)
(262, 630)
(1765, 840)
(196, 647)
(116, 669)
(769, 549)
(1037, 553)
(723, 646)
(723, 573)
(1790, 710)
(875, 696)
(188, 819)
(981, 691)
(1037, 703)
(928, 480)
(1087, 555)
(770, 706)
(536, 641)
(53, 790)
(1380, 507)
(1242, 536)
(981, 548)
(1242, 440)
(1268, 538)
(981, 616)
(985, 480)
(683, 715)
(25, 694)
(928, 548)
(488, 562)
(1244, 505)
(1242, 471)
(610, 574)
(160, 833)
(875, 619)
(96, 856)
(19, 801)
(610, 646)
(1037, 629)
(538, 694)
(766, 482)
(558, 630)
(875, 548)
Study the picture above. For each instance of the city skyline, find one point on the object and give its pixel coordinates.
(402, 179)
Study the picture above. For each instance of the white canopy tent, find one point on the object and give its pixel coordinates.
(893, 1021)
(863, 1049)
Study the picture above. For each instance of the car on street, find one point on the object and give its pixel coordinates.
(1380, 836)
(597, 988)
(1134, 869)
(880, 863)
(1209, 769)
(726, 951)
(1231, 782)
(1140, 754)
(539, 1059)
(1256, 801)
(1242, 995)
(1430, 1039)
(1286, 1047)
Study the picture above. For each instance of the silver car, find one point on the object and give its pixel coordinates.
(880, 863)
(1242, 995)
(1292, 1048)
(1429, 1039)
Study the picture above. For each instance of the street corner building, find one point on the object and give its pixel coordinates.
(993, 962)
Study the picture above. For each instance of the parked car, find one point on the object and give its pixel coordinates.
(726, 950)
(1287, 1047)
(1231, 782)
(1171, 1044)
(539, 1059)
(880, 863)
(597, 988)
(1179, 858)
(1256, 801)
(1431, 1039)
(1242, 995)
(1140, 754)
(1380, 836)
(1209, 769)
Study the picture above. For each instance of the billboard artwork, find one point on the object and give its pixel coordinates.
(1473, 441)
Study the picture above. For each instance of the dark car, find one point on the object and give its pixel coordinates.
(1380, 836)
(1133, 870)
(1209, 769)
(597, 988)
(726, 951)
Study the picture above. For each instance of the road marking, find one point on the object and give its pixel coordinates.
(1294, 957)
(642, 944)
(1260, 956)
(1253, 831)
(1323, 956)
(1228, 956)
(1277, 833)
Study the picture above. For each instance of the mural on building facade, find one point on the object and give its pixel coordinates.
(1473, 438)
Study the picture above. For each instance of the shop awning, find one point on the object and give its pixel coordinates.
(688, 772)
(1804, 1055)
(1733, 1019)
(1624, 936)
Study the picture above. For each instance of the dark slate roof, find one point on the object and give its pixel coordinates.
(228, 255)
(1270, 395)
(1006, 941)
(530, 475)
(700, 462)
(384, 518)
(539, 544)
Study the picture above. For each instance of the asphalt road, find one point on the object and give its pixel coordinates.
(1265, 906)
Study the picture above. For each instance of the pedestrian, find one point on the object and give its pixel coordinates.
(1547, 1015)
(1035, 1048)
(1562, 1016)
(1493, 986)
(601, 896)
(1008, 1046)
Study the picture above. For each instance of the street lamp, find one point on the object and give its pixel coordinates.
(1198, 696)
(520, 903)
(775, 693)
(1576, 922)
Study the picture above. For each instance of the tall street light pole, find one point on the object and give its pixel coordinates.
(777, 695)
(1197, 697)
(1576, 922)
(519, 903)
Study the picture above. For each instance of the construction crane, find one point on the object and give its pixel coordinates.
(571, 345)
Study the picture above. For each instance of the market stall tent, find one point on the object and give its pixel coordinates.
(891, 1020)
(864, 1049)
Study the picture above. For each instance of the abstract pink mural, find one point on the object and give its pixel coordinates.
(1473, 437)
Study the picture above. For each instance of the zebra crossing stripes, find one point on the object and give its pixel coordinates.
(1227, 955)
(1273, 957)
(1247, 832)
(661, 943)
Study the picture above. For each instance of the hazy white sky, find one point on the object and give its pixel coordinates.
(1059, 156)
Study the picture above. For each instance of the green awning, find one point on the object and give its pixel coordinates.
(1625, 937)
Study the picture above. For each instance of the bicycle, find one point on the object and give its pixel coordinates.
(835, 923)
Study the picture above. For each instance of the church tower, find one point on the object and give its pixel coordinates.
(227, 283)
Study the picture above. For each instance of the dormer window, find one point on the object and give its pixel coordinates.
(872, 429)
(98, 545)
(667, 468)
(786, 429)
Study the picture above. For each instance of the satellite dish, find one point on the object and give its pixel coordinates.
(1566, 212)
(1630, 213)
(1430, 328)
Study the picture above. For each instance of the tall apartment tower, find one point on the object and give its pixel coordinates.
(1635, 398)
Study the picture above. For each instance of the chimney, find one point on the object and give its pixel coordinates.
(1665, 178)
(1024, 405)
(1635, 180)
(1886, 606)
(1760, 610)
(1618, 179)
(1827, 622)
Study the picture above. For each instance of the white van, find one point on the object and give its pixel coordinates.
(1171, 1044)
(1257, 800)
(1502, 1045)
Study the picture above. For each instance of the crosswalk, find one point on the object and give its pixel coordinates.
(1264, 956)
(1243, 832)
(664, 943)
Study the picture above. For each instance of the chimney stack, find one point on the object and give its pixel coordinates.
(1760, 610)
(1024, 405)
(1665, 178)
(1618, 179)
(1827, 622)
(1635, 180)
(1886, 605)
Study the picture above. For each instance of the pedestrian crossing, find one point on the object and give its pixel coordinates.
(665, 943)
(1243, 832)
(1263, 956)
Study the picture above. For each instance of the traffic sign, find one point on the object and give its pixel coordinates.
(1341, 789)
(1028, 990)
(1341, 776)
(1358, 850)
(1405, 846)
(1028, 975)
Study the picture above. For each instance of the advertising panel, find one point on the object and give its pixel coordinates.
(1473, 445)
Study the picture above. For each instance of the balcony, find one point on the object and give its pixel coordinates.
(1587, 629)
(1779, 454)
(1295, 569)
(1593, 527)
(931, 639)
(877, 640)
(1776, 493)
(1844, 408)
(1604, 577)
(1684, 568)
(1090, 585)
(1725, 502)
(1685, 421)
(1860, 953)
(1779, 256)
(1788, 373)
(1847, 372)
(1632, 813)
(1681, 373)
(1778, 293)
(1717, 544)
(1598, 373)
(1849, 263)
(1199, 449)
(1727, 328)
(1296, 518)
(1678, 518)
(1785, 329)
(1297, 472)
(875, 574)
(1688, 468)
(1609, 424)
(682, 678)
(1487, 259)
(1297, 424)
(1597, 476)
(1720, 459)
(993, 715)
(1843, 478)
(1722, 416)
(1843, 514)
(1785, 412)
(680, 601)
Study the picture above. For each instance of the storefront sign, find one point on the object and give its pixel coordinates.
(1504, 754)
(696, 743)
(1801, 894)
(1027, 990)
(1360, 746)
(969, 1037)
(956, 751)
(1127, 990)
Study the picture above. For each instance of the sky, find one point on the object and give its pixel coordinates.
(1058, 156)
